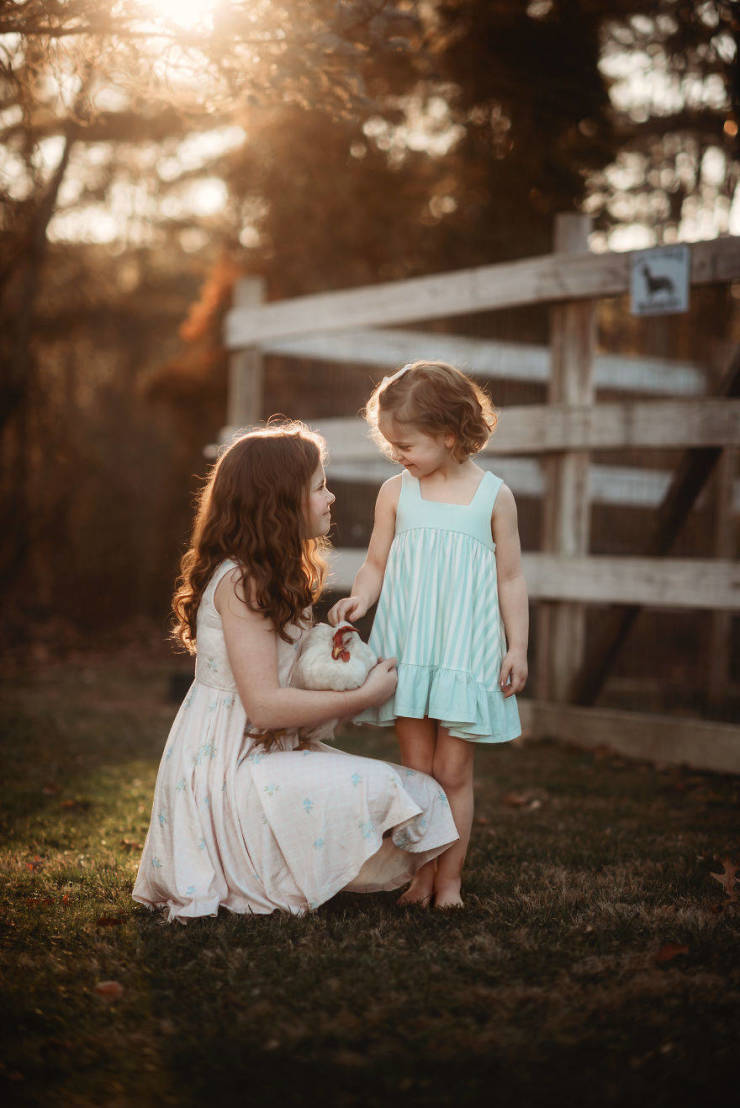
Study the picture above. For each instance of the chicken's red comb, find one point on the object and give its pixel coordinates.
(338, 649)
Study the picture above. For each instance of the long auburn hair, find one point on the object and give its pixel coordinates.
(252, 509)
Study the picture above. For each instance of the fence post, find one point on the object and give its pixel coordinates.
(718, 655)
(566, 506)
(246, 375)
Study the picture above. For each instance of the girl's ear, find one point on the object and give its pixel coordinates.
(449, 440)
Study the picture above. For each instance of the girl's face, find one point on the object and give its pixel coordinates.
(318, 508)
(417, 451)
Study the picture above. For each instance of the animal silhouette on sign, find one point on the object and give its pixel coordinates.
(657, 282)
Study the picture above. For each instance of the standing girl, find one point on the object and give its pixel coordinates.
(453, 607)
(249, 813)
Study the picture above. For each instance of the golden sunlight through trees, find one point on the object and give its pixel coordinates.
(185, 13)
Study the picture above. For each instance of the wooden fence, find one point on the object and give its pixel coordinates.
(546, 448)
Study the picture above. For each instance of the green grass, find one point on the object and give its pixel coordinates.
(544, 991)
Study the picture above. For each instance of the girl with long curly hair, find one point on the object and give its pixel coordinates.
(250, 813)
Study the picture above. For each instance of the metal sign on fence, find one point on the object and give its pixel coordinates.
(659, 280)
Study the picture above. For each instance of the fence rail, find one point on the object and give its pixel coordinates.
(513, 361)
(551, 278)
(681, 583)
(622, 486)
(542, 428)
(670, 740)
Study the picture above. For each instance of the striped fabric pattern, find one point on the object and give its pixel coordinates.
(438, 614)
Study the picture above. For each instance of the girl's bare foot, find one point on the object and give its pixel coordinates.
(447, 895)
(418, 892)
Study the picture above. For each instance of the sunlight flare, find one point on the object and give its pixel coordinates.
(185, 13)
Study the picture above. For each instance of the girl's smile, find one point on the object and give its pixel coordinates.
(418, 452)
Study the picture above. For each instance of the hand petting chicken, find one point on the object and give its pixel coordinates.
(332, 658)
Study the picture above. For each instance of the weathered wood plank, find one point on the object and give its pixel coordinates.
(672, 740)
(514, 361)
(626, 486)
(540, 428)
(685, 583)
(652, 582)
(533, 280)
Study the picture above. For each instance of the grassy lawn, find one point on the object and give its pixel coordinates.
(555, 986)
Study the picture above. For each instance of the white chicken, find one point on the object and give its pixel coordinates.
(331, 658)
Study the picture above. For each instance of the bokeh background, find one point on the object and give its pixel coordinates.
(153, 153)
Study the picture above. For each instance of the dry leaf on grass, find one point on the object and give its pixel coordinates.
(131, 844)
(728, 878)
(521, 800)
(109, 921)
(109, 990)
(669, 951)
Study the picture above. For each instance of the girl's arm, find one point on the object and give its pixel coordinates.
(369, 580)
(512, 592)
(252, 648)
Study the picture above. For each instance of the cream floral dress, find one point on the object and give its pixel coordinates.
(238, 827)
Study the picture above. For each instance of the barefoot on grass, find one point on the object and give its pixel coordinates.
(447, 895)
(418, 893)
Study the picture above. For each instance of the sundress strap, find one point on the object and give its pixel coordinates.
(493, 484)
(218, 574)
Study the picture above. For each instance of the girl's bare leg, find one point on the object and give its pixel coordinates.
(416, 737)
(453, 768)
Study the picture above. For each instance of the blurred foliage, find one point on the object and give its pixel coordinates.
(343, 143)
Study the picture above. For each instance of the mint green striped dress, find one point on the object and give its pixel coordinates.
(438, 614)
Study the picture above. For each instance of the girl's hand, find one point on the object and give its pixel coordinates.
(347, 610)
(513, 676)
(380, 683)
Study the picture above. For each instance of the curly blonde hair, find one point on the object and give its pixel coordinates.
(252, 508)
(438, 399)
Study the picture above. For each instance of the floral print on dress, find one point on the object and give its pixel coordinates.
(206, 750)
